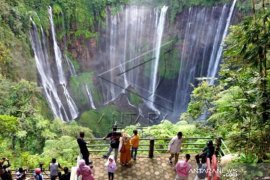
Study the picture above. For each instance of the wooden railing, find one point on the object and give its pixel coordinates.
(158, 145)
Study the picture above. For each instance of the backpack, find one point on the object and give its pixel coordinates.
(38, 177)
(114, 140)
(202, 168)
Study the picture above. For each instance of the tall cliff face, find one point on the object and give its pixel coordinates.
(122, 63)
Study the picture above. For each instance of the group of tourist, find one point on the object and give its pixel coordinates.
(122, 143)
(119, 143)
(127, 147)
(183, 167)
(54, 168)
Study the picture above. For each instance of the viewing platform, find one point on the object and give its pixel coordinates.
(143, 168)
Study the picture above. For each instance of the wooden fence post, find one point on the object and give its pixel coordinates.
(151, 148)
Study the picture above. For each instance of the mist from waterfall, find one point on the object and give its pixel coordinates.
(130, 34)
(130, 58)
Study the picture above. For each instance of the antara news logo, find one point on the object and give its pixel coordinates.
(219, 171)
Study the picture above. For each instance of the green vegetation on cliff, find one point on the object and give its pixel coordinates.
(238, 106)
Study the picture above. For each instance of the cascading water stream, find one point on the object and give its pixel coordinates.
(57, 52)
(159, 34)
(71, 67)
(43, 67)
(58, 58)
(123, 66)
(216, 42)
(212, 74)
(126, 56)
(90, 97)
(200, 48)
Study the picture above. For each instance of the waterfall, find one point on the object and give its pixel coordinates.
(57, 52)
(43, 67)
(123, 65)
(159, 34)
(90, 97)
(200, 47)
(213, 72)
(71, 67)
(216, 42)
(58, 59)
(126, 57)
(113, 60)
(129, 34)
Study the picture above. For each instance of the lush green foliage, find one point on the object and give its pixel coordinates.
(81, 80)
(167, 130)
(238, 107)
(176, 6)
(102, 120)
(26, 132)
(169, 60)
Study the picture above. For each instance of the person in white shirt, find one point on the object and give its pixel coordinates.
(54, 169)
(175, 147)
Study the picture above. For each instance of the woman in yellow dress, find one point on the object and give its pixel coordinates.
(124, 149)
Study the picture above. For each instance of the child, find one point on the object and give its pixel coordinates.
(37, 174)
(201, 171)
(111, 167)
(135, 144)
(182, 169)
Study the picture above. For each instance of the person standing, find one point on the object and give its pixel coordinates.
(83, 148)
(175, 147)
(182, 168)
(111, 167)
(66, 175)
(53, 168)
(4, 171)
(85, 171)
(134, 141)
(114, 142)
(20, 174)
(38, 174)
(124, 149)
